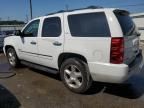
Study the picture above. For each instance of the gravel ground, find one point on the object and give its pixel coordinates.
(29, 88)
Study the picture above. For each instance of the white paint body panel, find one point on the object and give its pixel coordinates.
(46, 45)
(96, 50)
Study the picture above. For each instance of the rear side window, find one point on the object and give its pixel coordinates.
(126, 22)
(51, 27)
(89, 25)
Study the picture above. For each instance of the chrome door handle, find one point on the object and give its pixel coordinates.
(56, 43)
(33, 43)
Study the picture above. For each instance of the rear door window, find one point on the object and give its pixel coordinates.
(89, 25)
(126, 22)
(51, 27)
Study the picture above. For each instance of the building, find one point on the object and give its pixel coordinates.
(139, 20)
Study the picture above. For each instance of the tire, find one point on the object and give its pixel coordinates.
(75, 75)
(12, 57)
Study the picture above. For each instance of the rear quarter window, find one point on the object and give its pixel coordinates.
(126, 22)
(89, 25)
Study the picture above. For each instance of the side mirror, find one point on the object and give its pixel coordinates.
(21, 34)
(138, 34)
(18, 33)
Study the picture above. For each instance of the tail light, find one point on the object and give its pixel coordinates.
(117, 50)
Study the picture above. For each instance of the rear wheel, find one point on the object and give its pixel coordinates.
(12, 57)
(75, 75)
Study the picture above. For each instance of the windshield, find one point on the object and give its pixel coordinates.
(126, 22)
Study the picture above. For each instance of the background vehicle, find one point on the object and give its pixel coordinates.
(2, 36)
(10, 32)
(84, 45)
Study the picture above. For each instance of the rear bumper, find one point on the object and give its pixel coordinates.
(115, 73)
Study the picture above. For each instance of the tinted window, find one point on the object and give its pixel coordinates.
(126, 23)
(32, 28)
(51, 27)
(89, 25)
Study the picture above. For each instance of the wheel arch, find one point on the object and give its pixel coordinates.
(7, 47)
(63, 56)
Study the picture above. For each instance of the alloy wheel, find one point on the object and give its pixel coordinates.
(73, 76)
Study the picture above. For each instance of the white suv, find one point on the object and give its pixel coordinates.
(83, 45)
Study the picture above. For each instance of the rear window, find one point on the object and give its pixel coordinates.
(89, 25)
(126, 22)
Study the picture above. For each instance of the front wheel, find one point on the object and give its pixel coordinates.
(12, 57)
(75, 75)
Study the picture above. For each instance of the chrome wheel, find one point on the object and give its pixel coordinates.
(11, 58)
(73, 76)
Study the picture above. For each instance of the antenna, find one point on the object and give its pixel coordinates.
(67, 7)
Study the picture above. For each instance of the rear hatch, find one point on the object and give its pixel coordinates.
(130, 34)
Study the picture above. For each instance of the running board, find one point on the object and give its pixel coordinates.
(39, 67)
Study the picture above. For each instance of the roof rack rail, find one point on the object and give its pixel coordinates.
(94, 7)
(61, 11)
(89, 7)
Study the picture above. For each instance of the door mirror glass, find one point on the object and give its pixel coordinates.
(18, 33)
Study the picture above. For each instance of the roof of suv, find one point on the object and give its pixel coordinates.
(81, 9)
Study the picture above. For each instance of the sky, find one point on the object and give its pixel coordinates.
(19, 9)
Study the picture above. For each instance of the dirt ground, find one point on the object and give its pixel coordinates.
(30, 88)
